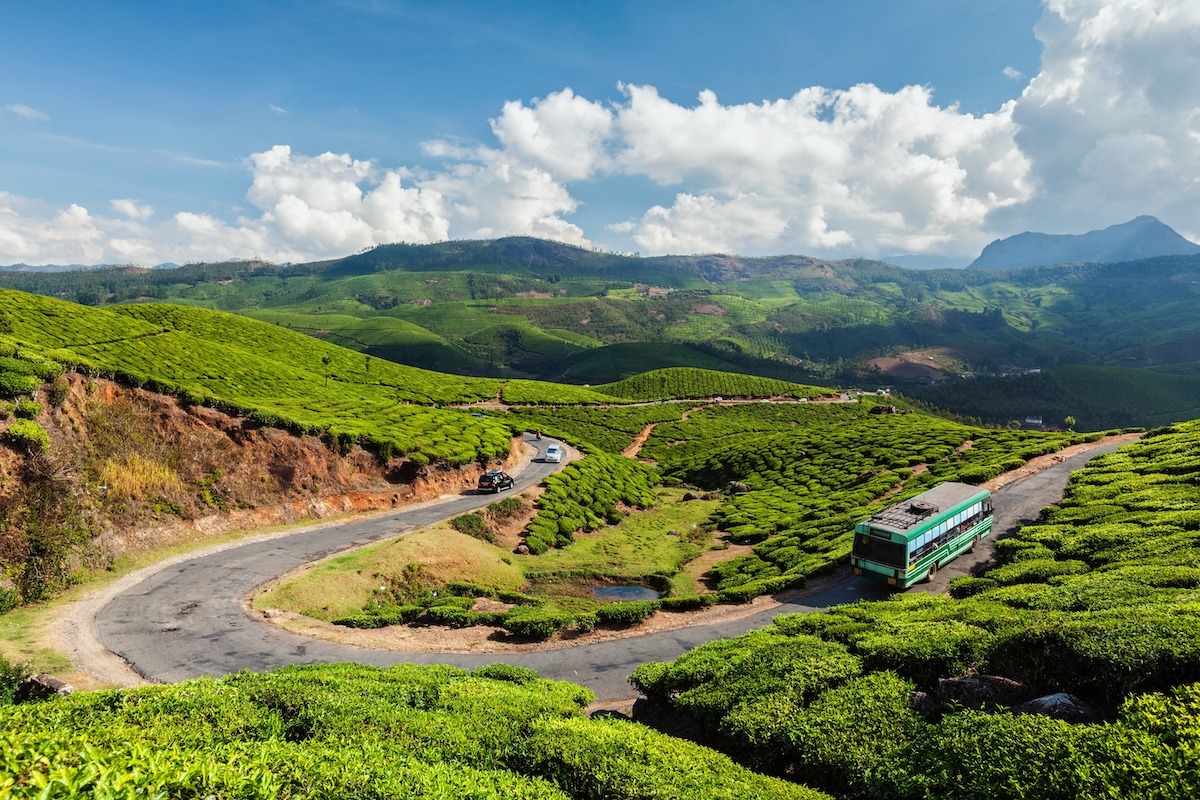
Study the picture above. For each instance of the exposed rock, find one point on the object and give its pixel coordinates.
(690, 496)
(736, 487)
(1061, 705)
(522, 549)
(980, 691)
(42, 687)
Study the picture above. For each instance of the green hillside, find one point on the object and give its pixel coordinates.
(271, 373)
(688, 383)
(532, 309)
(1097, 397)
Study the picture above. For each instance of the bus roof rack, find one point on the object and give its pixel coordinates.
(905, 515)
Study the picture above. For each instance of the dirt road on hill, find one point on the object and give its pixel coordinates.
(187, 618)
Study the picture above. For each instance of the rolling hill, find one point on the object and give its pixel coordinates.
(525, 308)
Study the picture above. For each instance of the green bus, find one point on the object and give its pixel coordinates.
(906, 543)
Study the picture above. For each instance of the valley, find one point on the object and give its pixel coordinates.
(169, 433)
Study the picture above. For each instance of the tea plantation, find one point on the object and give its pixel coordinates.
(356, 731)
(1097, 599)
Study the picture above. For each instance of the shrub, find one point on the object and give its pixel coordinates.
(966, 586)
(629, 613)
(691, 603)
(11, 676)
(529, 623)
(521, 676)
(58, 392)
(472, 524)
(27, 409)
(13, 384)
(449, 616)
(366, 621)
(26, 436)
(468, 589)
(626, 761)
(505, 509)
(925, 651)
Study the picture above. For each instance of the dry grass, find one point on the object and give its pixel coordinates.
(133, 477)
(341, 585)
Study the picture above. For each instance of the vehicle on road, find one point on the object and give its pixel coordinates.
(908, 541)
(495, 481)
(553, 454)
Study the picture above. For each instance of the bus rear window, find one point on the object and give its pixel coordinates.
(880, 551)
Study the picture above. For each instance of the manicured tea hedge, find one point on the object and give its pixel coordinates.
(355, 731)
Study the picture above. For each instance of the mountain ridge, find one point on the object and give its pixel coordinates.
(1141, 237)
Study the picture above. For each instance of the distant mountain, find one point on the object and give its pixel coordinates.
(1143, 237)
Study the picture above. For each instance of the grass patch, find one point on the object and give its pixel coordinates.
(656, 542)
(342, 585)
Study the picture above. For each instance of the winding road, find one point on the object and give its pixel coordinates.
(186, 619)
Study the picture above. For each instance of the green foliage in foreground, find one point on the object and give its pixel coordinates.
(355, 731)
(689, 382)
(1097, 599)
(27, 436)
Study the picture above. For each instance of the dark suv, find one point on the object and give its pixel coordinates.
(495, 481)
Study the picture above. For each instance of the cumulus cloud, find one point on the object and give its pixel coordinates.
(821, 171)
(1112, 121)
(131, 209)
(27, 112)
(563, 134)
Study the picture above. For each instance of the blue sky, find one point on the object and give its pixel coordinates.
(297, 130)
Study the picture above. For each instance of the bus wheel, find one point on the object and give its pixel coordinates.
(932, 572)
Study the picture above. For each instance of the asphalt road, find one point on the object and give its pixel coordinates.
(187, 620)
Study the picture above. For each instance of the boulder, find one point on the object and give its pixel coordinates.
(981, 691)
(41, 687)
(1060, 705)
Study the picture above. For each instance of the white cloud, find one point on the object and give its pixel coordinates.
(1112, 121)
(1012, 73)
(821, 171)
(132, 209)
(27, 112)
(562, 134)
(279, 110)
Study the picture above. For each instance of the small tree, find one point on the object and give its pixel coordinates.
(1069, 422)
(326, 361)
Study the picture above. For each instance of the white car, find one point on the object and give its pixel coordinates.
(553, 454)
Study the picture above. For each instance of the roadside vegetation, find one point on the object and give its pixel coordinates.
(1096, 599)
